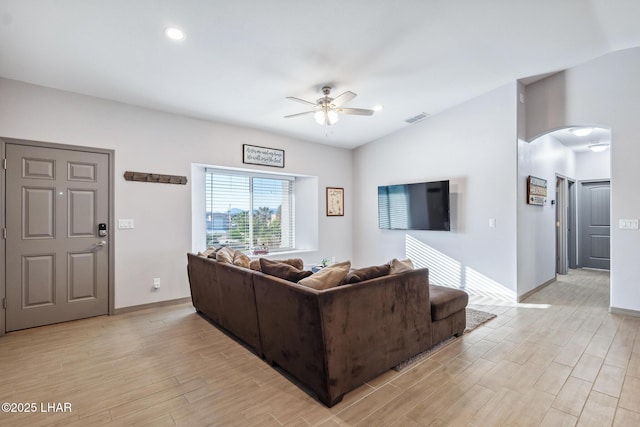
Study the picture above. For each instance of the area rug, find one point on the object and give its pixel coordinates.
(475, 318)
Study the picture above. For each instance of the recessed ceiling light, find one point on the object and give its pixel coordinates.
(581, 131)
(174, 33)
(378, 108)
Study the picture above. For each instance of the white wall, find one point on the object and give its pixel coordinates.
(151, 141)
(544, 158)
(475, 146)
(603, 92)
(593, 166)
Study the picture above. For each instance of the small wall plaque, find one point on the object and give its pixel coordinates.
(536, 191)
(255, 155)
(155, 177)
(335, 201)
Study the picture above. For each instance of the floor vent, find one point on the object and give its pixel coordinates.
(417, 118)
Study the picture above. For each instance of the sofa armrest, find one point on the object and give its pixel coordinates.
(203, 281)
(371, 326)
(290, 330)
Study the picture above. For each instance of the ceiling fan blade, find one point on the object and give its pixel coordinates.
(357, 111)
(343, 98)
(302, 101)
(299, 114)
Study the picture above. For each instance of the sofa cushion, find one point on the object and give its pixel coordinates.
(225, 255)
(328, 277)
(240, 259)
(367, 273)
(446, 301)
(282, 270)
(398, 266)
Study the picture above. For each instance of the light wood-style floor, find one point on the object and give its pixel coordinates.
(558, 359)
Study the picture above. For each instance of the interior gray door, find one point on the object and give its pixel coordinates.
(57, 265)
(596, 224)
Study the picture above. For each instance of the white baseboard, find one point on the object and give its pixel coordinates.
(536, 289)
(151, 305)
(624, 311)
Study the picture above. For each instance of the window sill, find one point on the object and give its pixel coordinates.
(277, 254)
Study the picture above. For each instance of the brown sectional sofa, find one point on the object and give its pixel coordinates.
(332, 340)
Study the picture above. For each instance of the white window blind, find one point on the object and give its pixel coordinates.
(250, 212)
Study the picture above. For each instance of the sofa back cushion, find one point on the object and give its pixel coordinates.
(282, 270)
(367, 273)
(328, 277)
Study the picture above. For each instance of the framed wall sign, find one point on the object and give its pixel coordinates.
(536, 191)
(254, 155)
(335, 201)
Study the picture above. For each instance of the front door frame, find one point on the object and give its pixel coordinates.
(3, 222)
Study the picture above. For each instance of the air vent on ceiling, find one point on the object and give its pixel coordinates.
(417, 118)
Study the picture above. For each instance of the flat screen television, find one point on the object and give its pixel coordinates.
(419, 206)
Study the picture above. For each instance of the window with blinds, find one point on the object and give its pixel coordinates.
(253, 213)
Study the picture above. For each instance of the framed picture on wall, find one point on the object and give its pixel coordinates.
(335, 201)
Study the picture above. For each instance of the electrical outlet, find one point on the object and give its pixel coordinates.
(156, 283)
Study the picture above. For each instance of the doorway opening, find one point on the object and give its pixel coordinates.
(565, 224)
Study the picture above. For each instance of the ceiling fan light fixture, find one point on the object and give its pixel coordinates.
(325, 116)
(319, 117)
(581, 131)
(326, 110)
(332, 117)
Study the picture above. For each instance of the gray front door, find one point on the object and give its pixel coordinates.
(595, 224)
(57, 265)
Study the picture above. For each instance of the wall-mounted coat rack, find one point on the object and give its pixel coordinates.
(155, 177)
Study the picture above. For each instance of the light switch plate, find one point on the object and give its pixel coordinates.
(628, 224)
(125, 224)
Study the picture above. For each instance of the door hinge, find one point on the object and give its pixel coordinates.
(4, 233)
(4, 303)
(4, 163)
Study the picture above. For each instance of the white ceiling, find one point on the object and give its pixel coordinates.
(240, 59)
(598, 136)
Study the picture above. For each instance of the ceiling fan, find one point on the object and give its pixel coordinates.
(326, 109)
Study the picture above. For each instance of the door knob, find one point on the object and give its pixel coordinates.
(101, 243)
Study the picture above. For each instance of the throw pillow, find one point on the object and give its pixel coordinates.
(282, 270)
(255, 264)
(328, 277)
(225, 255)
(208, 253)
(398, 266)
(367, 273)
(240, 259)
(295, 262)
